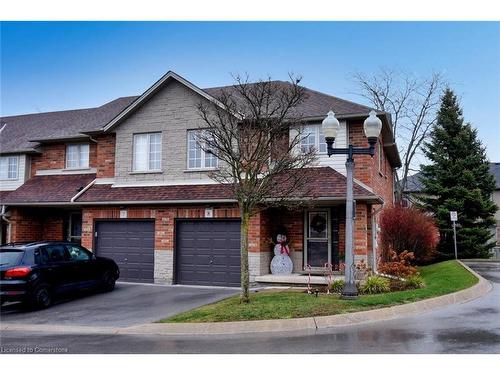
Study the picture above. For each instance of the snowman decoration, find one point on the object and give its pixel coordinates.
(281, 264)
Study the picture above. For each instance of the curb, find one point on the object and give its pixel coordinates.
(306, 325)
(314, 324)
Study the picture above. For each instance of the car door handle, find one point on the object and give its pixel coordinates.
(125, 259)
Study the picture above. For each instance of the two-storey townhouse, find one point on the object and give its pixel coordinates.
(134, 185)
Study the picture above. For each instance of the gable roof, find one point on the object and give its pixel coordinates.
(23, 133)
(495, 171)
(151, 91)
(414, 183)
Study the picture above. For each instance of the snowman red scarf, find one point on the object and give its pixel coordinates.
(284, 247)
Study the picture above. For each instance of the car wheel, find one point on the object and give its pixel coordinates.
(108, 281)
(41, 297)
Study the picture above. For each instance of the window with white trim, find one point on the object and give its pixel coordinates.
(9, 167)
(147, 152)
(198, 156)
(77, 156)
(312, 136)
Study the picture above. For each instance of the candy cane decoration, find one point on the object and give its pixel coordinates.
(309, 289)
(328, 276)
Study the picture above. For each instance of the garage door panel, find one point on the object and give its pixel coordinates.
(207, 252)
(131, 245)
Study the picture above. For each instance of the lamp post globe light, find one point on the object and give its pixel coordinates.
(372, 127)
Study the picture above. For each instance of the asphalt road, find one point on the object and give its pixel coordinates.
(473, 327)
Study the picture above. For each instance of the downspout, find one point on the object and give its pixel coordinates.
(374, 238)
(82, 191)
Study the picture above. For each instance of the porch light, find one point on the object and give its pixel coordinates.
(372, 127)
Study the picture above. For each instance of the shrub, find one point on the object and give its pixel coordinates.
(375, 285)
(336, 286)
(414, 282)
(397, 285)
(408, 229)
(399, 265)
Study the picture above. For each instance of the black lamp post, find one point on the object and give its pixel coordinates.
(372, 127)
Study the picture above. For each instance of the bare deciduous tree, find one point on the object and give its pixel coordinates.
(413, 104)
(248, 131)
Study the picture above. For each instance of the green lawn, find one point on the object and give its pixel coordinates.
(440, 278)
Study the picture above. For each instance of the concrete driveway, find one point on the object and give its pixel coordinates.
(127, 305)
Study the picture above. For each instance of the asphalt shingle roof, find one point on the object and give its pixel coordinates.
(324, 182)
(47, 189)
(414, 185)
(495, 171)
(20, 130)
(315, 103)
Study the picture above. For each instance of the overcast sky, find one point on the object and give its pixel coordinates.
(51, 66)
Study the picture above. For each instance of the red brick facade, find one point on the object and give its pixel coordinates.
(53, 156)
(51, 223)
(35, 225)
(367, 170)
(165, 222)
(378, 175)
(105, 156)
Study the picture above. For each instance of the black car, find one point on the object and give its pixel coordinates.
(34, 273)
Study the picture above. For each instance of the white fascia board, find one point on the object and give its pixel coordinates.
(104, 181)
(54, 172)
(165, 183)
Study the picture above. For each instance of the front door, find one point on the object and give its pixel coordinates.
(75, 227)
(318, 244)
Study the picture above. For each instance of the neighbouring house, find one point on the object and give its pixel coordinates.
(414, 190)
(129, 181)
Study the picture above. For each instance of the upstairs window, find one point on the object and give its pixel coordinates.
(9, 167)
(77, 156)
(312, 137)
(198, 158)
(147, 152)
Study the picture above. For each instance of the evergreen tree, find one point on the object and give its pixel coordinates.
(458, 179)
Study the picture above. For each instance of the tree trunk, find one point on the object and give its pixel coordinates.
(398, 189)
(245, 277)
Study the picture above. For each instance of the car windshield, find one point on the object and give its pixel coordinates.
(10, 257)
